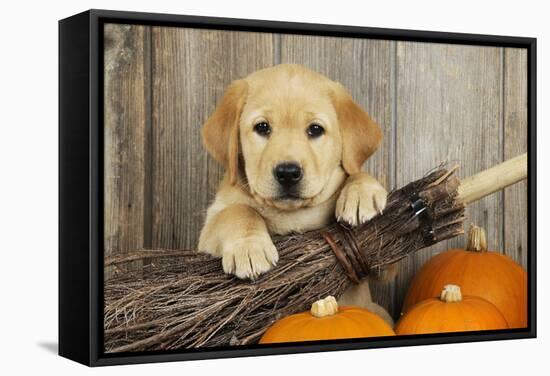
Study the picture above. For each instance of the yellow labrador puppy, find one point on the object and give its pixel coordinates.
(293, 143)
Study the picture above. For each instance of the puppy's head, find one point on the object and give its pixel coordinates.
(291, 132)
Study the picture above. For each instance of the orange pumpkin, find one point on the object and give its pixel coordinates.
(326, 321)
(451, 313)
(488, 275)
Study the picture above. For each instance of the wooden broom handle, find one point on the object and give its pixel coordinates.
(493, 179)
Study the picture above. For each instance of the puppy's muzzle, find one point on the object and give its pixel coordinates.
(288, 174)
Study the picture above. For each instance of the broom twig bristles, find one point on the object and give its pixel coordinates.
(183, 299)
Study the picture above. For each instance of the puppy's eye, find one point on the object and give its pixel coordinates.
(315, 130)
(263, 129)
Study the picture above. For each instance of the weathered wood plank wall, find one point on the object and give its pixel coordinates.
(448, 109)
(434, 103)
(126, 116)
(515, 142)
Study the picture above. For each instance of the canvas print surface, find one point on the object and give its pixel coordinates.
(264, 188)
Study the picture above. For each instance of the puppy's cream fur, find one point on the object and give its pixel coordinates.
(247, 207)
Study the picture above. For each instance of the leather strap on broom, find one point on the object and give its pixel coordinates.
(182, 299)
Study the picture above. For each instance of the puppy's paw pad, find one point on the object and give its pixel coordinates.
(249, 257)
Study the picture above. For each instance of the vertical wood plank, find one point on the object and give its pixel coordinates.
(515, 143)
(364, 68)
(449, 109)
(126, 113)
(191, 70)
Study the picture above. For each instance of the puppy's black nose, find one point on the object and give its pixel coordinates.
(288, 173)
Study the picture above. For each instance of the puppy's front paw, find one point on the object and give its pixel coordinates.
(250, 256)
(360, 201)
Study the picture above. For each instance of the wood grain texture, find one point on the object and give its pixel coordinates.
(191, 68)
(515, 142)
(125, 118)
(448, 109)
(364, 68)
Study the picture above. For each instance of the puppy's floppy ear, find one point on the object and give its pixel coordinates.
(361, 136)
(220, 133)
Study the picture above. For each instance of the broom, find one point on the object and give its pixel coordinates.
(182, 299)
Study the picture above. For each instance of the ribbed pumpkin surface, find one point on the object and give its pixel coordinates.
(436, 316)
(489, 275)
(349, 322)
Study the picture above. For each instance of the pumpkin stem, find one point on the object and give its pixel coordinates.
(477, 240)
(324, 307)
(451, 293)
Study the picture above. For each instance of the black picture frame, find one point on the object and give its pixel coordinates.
(81, 182)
